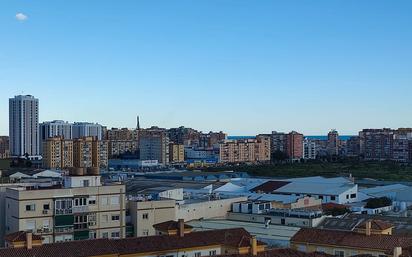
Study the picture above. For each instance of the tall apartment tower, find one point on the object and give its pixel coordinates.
(154, 145)
(294, 145)
(89, 152)
(87, 129)
(333, 142)
(24, 126)
(57, 153)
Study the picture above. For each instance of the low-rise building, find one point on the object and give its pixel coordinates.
(348, 243)
(82, 208)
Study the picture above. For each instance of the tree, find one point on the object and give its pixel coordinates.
(374, 203)
(279, 156)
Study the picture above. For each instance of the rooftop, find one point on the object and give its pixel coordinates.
(384, 243)
(237, 237)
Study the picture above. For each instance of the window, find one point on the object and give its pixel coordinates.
(302, 248)
(198, 254)
(115, 217)
(339, 253)
(347, 196)
(92, 200)
(320, 197)
(105, 235)
(212, 253)
(114, 200)
(145, 232)
(353, 196)
(92, 235)
(46, 206)
(145, 216)
(333, 198)
(86, 183)
(30, 207)
(320, 249)
(115, 234)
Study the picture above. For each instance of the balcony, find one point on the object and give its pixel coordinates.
(80, 209)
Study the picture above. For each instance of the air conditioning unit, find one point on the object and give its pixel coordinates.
(92, 223)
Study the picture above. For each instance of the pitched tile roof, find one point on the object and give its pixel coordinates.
(376, 225)
(270, 186)
(282, 252)
(169, 225)
(237, 237)
(351, 239)
(20, 236)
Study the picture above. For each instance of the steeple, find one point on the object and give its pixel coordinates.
(138, 123)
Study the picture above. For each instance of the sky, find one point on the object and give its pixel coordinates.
(244, 67)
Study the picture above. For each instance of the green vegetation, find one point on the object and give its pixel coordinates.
(376, 170)
(378, 202)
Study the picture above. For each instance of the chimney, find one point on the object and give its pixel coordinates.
(29, 240)
(181, 227)
(368, 227)
(397, 251)
(253, 245)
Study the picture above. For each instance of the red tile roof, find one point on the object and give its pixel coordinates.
(237, 237)
(270, 186)
(376, 225)
(282, 252)
(20, 236)
(384, 243)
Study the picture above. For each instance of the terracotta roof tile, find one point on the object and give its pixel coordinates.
(351, 239)
(20, 236)
(282, 252)
(270, 186)
(376, 225)
(237, 237)
(169, 225)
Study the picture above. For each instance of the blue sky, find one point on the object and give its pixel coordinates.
(244, 67)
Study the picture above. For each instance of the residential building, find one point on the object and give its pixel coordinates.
(176, 153)
(90, 152)
(348, 243)
(24, 126)
(154, 145)
(333, 142)
(122, 134)
(245, 150)
(56, 128)
(236, 241)
(294, 147)
(309, 149)
(376, 144)
(278, 142)
(353, 146)
(57, 153)
(82, 208)
(182, 135)
(145, 214)
(87, 129)
(121, 147)
(4, 147)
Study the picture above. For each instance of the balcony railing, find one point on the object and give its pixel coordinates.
(80, 209)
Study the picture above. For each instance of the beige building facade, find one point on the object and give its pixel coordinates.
(57, 153)
(176, 153)
(90, 152)
(245, 150)
(68, 213)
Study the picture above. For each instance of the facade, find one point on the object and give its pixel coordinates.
(24, 126)
(90, 152)
(117, 134)
(278, 142)
(309, 149)
(176, 153)
(57, 153)
(120, 147)
(333, 142)
(376, 144)
(87, 129)
(353, 147)
(154, 145)
(72, 212)
(56, 128)
(245, 150)
(4, 147)
(294, 147)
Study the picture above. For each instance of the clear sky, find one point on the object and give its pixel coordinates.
(244, 67)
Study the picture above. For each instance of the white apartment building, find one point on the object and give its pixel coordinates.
(24, 126)
(309, 149)
(87, 129)
(82, 209)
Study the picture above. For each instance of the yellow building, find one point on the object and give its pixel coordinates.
(90, 152)
(245, 150)
(57, 153)
(348, 243)
(176, 153)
